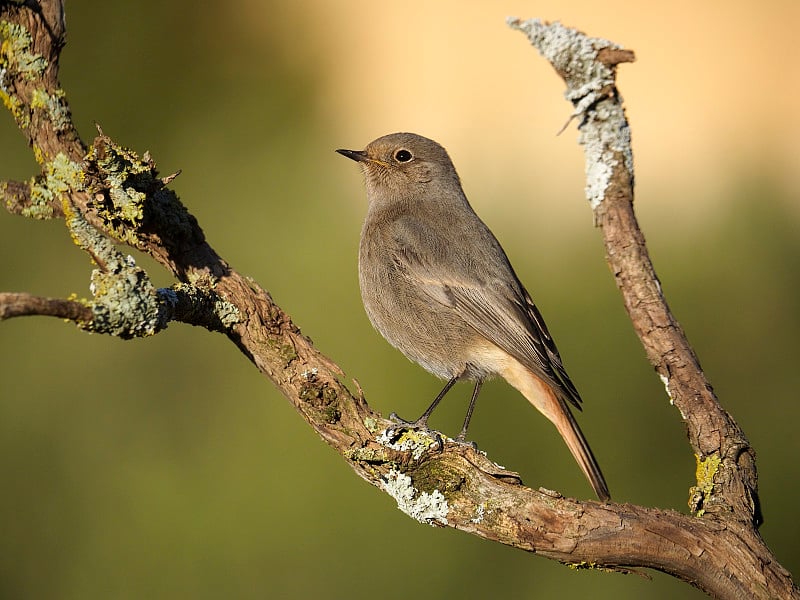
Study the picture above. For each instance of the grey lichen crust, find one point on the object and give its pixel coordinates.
(430, 508)
(200, 306)
(572, 53)
(605, 134)
(125, 303)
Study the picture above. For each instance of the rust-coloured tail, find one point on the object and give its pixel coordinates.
(573, 436)
(545, 399)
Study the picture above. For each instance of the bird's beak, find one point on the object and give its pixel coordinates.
(356, 155)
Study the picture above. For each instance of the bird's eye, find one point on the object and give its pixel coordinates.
(402, 156)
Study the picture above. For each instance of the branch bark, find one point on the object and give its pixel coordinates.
(111, 194)
(25, 305)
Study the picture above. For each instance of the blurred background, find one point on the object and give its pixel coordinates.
(168, 468)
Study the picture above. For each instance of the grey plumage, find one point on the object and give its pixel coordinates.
(438, 286)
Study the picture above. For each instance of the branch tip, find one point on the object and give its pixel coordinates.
(25, 305)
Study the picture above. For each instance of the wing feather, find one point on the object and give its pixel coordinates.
(486, 293)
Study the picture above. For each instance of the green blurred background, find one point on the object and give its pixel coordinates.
(168, 468)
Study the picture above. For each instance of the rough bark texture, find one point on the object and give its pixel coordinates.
(112, 194)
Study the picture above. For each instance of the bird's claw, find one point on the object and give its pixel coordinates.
(419, 425)
(464, 442)
(395, 418)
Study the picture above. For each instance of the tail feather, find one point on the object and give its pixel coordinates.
(576, 442)
(544, 398)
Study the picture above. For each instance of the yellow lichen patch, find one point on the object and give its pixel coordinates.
(706, 470)
(17, 109)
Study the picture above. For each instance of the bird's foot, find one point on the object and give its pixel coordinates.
(463, 441)
(420, 424)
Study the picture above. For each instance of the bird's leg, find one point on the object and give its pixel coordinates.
(422, 422)
(462, 437)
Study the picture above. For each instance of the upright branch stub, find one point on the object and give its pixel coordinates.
(726, 476)
(588, 67)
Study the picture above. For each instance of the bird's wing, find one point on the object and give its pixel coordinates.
(484, 290)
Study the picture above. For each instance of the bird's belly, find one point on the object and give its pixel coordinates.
(426, 331)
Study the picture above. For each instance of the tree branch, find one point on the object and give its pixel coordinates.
(23, 305)
(588, 66)
(29, 199)
(113, 194)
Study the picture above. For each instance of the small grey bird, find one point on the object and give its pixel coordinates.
(438, 286)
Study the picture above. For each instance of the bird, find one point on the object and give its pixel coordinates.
(438, 286)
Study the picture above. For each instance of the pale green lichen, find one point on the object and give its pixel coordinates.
(430, 508)
(125, 303)
(17, 59)
(367, 455)
(15, 51)
(61, 175)
(227, 313)
(40, 206)
(64, 174)
(371, 424)
(54, 105)
(200, 306)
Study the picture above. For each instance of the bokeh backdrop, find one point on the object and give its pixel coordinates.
(168, 468)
